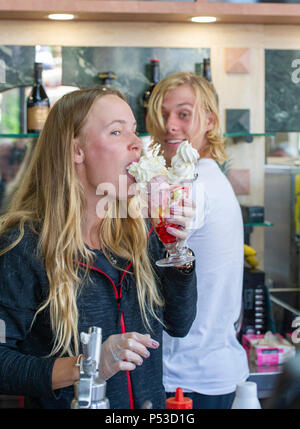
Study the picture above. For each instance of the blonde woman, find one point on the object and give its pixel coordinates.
(209, 361)
(70, 261)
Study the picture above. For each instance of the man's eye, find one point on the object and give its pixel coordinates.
(184, 114)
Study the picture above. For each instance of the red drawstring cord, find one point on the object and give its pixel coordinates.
(118, 297)
(122, 321)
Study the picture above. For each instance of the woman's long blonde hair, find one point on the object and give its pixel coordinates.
(52, 197)
(206, 102)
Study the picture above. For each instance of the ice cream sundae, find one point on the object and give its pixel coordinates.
(151, 169)
(149, 165)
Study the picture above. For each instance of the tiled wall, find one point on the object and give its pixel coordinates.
(81, 66)
(16, 66)
(282, 90)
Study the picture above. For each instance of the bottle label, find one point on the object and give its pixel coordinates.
(36, 117)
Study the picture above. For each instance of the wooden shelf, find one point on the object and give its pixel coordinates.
(152, 11)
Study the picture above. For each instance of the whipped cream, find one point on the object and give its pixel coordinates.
(152, 165)
(148, 166)
(183, 163)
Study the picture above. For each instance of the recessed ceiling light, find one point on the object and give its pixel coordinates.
(61, 16)
(203, 19)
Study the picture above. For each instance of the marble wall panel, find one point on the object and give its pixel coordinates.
(16, 66)
(81, 66)
(237, 120)
(282, 90)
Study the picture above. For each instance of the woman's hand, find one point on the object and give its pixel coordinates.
(122, 352)
(181, 216)
(172, 204)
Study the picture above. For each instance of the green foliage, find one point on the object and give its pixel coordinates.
(225, 166)
(10, 110)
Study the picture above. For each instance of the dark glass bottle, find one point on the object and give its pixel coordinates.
(106, 78)
(206, 73)
(38, 104)
(206, 69)
(2, 189)
(155, 76)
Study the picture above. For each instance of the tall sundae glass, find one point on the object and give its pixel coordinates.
(168, 188)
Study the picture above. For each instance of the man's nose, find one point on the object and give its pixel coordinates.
(171, 124)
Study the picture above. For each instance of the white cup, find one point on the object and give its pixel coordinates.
(246, 396)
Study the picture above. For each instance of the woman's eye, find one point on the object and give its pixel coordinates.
(115, 132)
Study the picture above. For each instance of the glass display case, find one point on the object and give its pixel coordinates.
(15, 154)
(16, 145)
(283, 148)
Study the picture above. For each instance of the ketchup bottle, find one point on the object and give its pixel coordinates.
(179, 401)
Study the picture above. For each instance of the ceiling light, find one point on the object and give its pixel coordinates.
(203, 19)
(61, 16)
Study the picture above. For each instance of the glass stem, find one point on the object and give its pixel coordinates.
(176, 248)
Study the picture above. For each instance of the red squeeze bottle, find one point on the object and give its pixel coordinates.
(179, 401)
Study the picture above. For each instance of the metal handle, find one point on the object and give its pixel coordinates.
(90, 389)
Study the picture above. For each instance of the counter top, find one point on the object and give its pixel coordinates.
(265, 377)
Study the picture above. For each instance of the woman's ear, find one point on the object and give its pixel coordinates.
(78, 152)
(210, 121)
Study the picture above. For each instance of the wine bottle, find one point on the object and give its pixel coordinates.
(206, 69)
(38, 104)
(206, 73)
(199, 69)
(155, 76)
(106, 78)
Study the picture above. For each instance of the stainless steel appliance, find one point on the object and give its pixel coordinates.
(282, 243)
(90, 389)
(282, 240)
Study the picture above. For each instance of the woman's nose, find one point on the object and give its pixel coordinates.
(136, 143)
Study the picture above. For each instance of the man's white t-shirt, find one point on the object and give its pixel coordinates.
(210, 360)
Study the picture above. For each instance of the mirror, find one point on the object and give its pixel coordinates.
(283, 148)
(15, 151)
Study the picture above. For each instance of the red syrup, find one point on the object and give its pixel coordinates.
(164, 236)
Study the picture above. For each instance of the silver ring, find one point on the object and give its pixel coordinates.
(115, 356)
